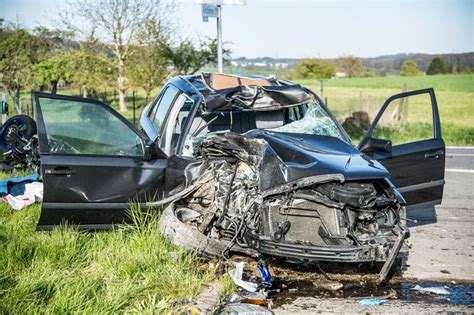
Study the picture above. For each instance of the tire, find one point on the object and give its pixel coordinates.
(26, 128)
(186, 236)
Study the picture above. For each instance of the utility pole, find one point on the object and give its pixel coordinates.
(219, 40)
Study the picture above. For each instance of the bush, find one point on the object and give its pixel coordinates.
(437, 66)
(314, 69)
(409, 68)
(351, 65)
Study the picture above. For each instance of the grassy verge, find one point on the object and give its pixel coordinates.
(131, 269)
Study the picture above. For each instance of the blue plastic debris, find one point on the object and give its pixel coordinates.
(265, 274)
(372, 302)
(16, 186)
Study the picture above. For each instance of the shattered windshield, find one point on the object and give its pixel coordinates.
(311, 119)
(314, 121)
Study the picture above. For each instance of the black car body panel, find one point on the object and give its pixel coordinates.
(92, 190)
(416, 168)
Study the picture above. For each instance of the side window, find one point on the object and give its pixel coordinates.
(163, 105)
(84, 128)
(406, 119)
(175, 123)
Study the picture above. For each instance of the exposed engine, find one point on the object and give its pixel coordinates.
(314, 218)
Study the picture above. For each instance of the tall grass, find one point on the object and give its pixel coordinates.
(131, 269)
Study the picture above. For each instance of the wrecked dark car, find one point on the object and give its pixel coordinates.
(249, 165)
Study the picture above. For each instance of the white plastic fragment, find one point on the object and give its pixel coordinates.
(236, 275)
(33, 193)
(434, 290)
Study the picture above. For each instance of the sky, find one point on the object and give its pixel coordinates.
(305, 28)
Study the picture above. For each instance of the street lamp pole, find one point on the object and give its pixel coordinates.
(219, 39)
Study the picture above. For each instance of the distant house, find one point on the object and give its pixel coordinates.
(341, 74)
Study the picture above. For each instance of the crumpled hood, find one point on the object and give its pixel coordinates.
(309, 155)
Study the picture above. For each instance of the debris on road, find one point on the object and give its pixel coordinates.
(431, 290)
(372, 302)
(236, 276)
(265, 275)
(328, 285)
(247, 309)
(257, 298)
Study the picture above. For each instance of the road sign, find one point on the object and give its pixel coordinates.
(209, 11)
(213, 9)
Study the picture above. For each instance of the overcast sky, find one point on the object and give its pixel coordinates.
(304, 28)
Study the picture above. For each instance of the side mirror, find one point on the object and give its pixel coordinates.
(152, 151)
(376, 145)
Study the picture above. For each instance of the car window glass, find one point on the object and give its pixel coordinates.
(313, 120)
(175, 123)
(164, 103)
(406, 119)
(76, 127)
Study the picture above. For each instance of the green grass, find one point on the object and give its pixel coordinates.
(129, 270)
(442, 82)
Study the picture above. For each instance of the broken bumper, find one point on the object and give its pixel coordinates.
(311, 253)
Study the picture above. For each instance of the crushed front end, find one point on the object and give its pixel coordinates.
(251, 194)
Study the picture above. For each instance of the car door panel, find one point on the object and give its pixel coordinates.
(418, 175)
(101, 179)
(416, 168)
(91, 190)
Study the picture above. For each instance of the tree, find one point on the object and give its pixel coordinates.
(188, 59)
(148, 67)
(51, 70)
(409, 68)
(120, 22)
(314, 69)
(437, 66)
(19, 50)
(351, 65)
(91, 70)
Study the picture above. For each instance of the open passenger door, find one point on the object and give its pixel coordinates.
(93, 163)
(416, 167)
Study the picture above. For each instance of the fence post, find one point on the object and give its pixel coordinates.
(321, 83)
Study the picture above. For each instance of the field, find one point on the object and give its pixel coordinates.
(454, 93)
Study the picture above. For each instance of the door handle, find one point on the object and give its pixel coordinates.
(434, 155)
(60, 171)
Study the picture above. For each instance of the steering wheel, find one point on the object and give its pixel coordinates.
(60, 146)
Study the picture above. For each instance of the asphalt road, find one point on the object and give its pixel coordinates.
(443, 238)
(442, 248)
